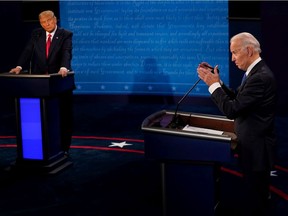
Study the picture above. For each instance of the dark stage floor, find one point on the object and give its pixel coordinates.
(107, 180)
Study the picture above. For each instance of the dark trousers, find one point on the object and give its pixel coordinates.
(256, 193)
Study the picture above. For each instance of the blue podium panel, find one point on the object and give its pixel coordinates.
(31, 128)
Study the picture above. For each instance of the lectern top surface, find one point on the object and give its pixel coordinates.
(27, 75)
(30, 85)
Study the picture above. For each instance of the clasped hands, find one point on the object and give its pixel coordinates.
(205, 73)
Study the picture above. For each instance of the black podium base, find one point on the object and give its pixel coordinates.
(40, 167)
(190, 188)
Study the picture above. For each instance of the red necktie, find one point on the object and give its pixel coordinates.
(48, 43)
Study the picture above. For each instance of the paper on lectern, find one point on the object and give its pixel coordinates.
(202, 130)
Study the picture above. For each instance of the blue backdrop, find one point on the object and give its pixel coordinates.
(145, 47)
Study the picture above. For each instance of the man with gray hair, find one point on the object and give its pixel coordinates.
(252, 107)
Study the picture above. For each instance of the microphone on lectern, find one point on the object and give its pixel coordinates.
(31, 59)
(175, 121)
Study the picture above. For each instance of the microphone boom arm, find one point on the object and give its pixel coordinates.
(179, 102)
(174, 122)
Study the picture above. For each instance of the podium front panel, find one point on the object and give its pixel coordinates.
(177, 147)
(165, 143)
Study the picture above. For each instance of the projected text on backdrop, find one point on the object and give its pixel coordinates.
(145, 47)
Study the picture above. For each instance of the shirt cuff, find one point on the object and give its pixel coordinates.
(64, 68)
(213, 87)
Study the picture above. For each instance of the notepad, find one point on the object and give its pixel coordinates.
(202, 130)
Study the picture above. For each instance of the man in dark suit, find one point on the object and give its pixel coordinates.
(253, 109)
(53, 59)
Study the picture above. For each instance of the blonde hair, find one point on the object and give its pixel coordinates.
(45, 13)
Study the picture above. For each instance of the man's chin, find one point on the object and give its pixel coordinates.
(238, 66)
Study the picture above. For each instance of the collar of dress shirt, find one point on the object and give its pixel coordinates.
(52, 33)
(252, 65)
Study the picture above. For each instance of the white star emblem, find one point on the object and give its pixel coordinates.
(121, 144)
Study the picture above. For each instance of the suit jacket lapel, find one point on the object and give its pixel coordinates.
(254, 69)
(56, 40)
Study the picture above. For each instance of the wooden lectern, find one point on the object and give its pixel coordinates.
(38, 120)
(190, 153)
